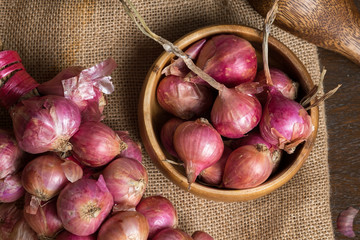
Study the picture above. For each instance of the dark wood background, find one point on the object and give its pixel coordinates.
(343, 122)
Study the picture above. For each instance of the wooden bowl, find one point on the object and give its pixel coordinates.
(151, 116)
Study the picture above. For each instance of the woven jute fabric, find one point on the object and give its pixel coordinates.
(52, 35)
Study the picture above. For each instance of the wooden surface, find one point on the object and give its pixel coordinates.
(343, 122)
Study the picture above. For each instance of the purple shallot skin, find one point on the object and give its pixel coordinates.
(172, 234)
(201, 235)
(229, 59)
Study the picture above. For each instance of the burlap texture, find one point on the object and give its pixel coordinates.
(52, 35)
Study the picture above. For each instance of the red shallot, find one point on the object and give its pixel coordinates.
(167, 134)
(198, 145)
(126, 180)
(247, 167)
(10, 214)
(83, 205)
(45, 222)
(46, 123)
(65, 235)
(345, 222)
(172, 234)
(229, 59)
(11, 188)
(159, 213)
(285, 123)
(44, 177)
(22, 231)
(133, 149)
(182, 98)
(95, 144)
(10, 154)
(201, 235)
(213, 175)
(126, 225)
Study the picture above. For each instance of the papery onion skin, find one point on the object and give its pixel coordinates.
(44, 177)
(95, 144)
(247, 167)
(213, 175)
(10, 214)
(159, 213)
(345, 222)
(198, 145)
(229, 59)
(46, 223)
(172, 234)
(201, 235)
(83, 205)
(281, 82)
(133, 149)
(125, 225)
(10, 154)
(11, 188)
(234, 113)
(285, 123)
(126, 180)
(22, 231)
(167, 134)
(65, 235)
(46, 123)
(182, 98)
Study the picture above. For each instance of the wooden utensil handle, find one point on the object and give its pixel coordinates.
(330, 24)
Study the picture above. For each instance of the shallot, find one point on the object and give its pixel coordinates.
(124, 225)
(247, 167)
(95, 144)
(22, 231)
(65, 235)
(201, 235)
(133, 149)
(172, 234)
(46, 123)
(182, 98)
(10, 154)
(11, 188)
(167, 134)
(45, 222)
(229, 59)
(126, 180)
(83, 205)
(159, 213)
(10, 214)
(198, 145)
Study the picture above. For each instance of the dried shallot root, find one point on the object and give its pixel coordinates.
(345, 222)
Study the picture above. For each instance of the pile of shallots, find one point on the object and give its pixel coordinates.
(230, 128)
(64, 174)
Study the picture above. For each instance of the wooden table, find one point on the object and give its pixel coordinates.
(343, 123)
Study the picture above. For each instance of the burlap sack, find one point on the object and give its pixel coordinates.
(52, 35)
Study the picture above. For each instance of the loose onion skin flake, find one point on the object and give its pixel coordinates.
(95, 144)
(159, 213)
(172, 234)
(126, 225)
(345, 222)
(65, 235)
(182, 98)
(83, 205)
(229, 59)
(198, 145)
(201, 235)
(126, 180)
(10, 154)
(45, 222)
(46, 123)
(11, 188)
(44, 177)
(247, 167)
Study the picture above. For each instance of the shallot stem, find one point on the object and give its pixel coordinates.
(270, 17)
(167, 45)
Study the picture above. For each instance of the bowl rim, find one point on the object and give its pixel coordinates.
(155, 152)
